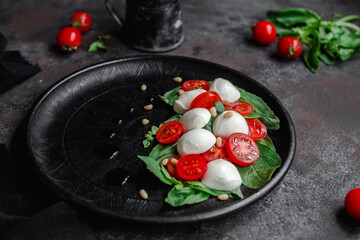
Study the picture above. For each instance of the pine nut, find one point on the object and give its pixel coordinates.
(173, 161)
(164, 161)
(180, 91)
(223, 197)
(177, 79)
(228, 115)
(213, 112)
(143, 194)
(143, 87)
(225, 102)
(218, 142)
(148, 107)
(145, 121)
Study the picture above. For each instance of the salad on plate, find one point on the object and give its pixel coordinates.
(215, 144)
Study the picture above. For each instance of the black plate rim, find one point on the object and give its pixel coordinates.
(207, 216)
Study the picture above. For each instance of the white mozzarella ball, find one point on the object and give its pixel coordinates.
(182, 104)
(224, 127)
(195, 141)
(221, 175)
(226, 90)
(195, 118)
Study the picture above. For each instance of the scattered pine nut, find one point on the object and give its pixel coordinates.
(213, 112)
(180, 91)
(177, 79)
(148, 107)
(145, 121)
(164, 161)
(173, 161)
(228, 115)
(218, 142)
(225, 102)
(223, 197)
(143, 87)
(143, 194)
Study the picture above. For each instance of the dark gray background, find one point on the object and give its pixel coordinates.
(308, 204)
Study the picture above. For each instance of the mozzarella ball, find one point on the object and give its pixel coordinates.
(195, 118)
(224, 127)
(226, 90)
(195, 141)
(221, 175)
(182, 104)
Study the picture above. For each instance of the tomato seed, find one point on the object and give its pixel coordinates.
(164, 162)
(213, 112)
(143, 87)
(177, 79)
(148, 107)
(145, 121)
(143, 194)
(180, 92)
(218, 142)
(228, 115)
(223, 197)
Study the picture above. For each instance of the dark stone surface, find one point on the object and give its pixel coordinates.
(308, 204)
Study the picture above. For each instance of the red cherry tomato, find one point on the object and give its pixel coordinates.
(69, 39)
(205, 100)
(242, 149)
(289, 47)
(169, 132)
(191, 167)
(264, 32)
(352, 203)
(216, 152)
(195, 84)
(171, 167)
(257, 129)
(241, 107)
(81, 21)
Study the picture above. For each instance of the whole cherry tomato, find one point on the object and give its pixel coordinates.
(264, 32)
(289, 47)
(69, 39)
(352, 203)
(81, 21)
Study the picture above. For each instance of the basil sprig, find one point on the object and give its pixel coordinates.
(326, 40)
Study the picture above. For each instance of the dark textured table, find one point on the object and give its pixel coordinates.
(308, 203)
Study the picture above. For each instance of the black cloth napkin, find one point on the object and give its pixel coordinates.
(13, 67)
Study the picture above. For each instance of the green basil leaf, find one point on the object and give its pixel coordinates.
(311, 55)
(209, 125)
(259, 173)
(170, 96)
(266, 141)
(290, 17)
(327, 59)
(176, 117)
(261, 109)
(154, 130)
(219, 107)
(146, 143)
(345, 54)
(168, 176)
(235, 194)
(153, 161)
(350, 41)
(179, 196)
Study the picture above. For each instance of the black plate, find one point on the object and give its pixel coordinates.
(85, 134)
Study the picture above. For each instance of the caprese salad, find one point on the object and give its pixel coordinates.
(215, 143)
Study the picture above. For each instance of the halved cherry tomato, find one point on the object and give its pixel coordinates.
(195, 84)
(242, 149)
(171, 168)
(241, 107)
(191, 167)
(205, 100)
(216, 152)
(257, 129)
(169, 132)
